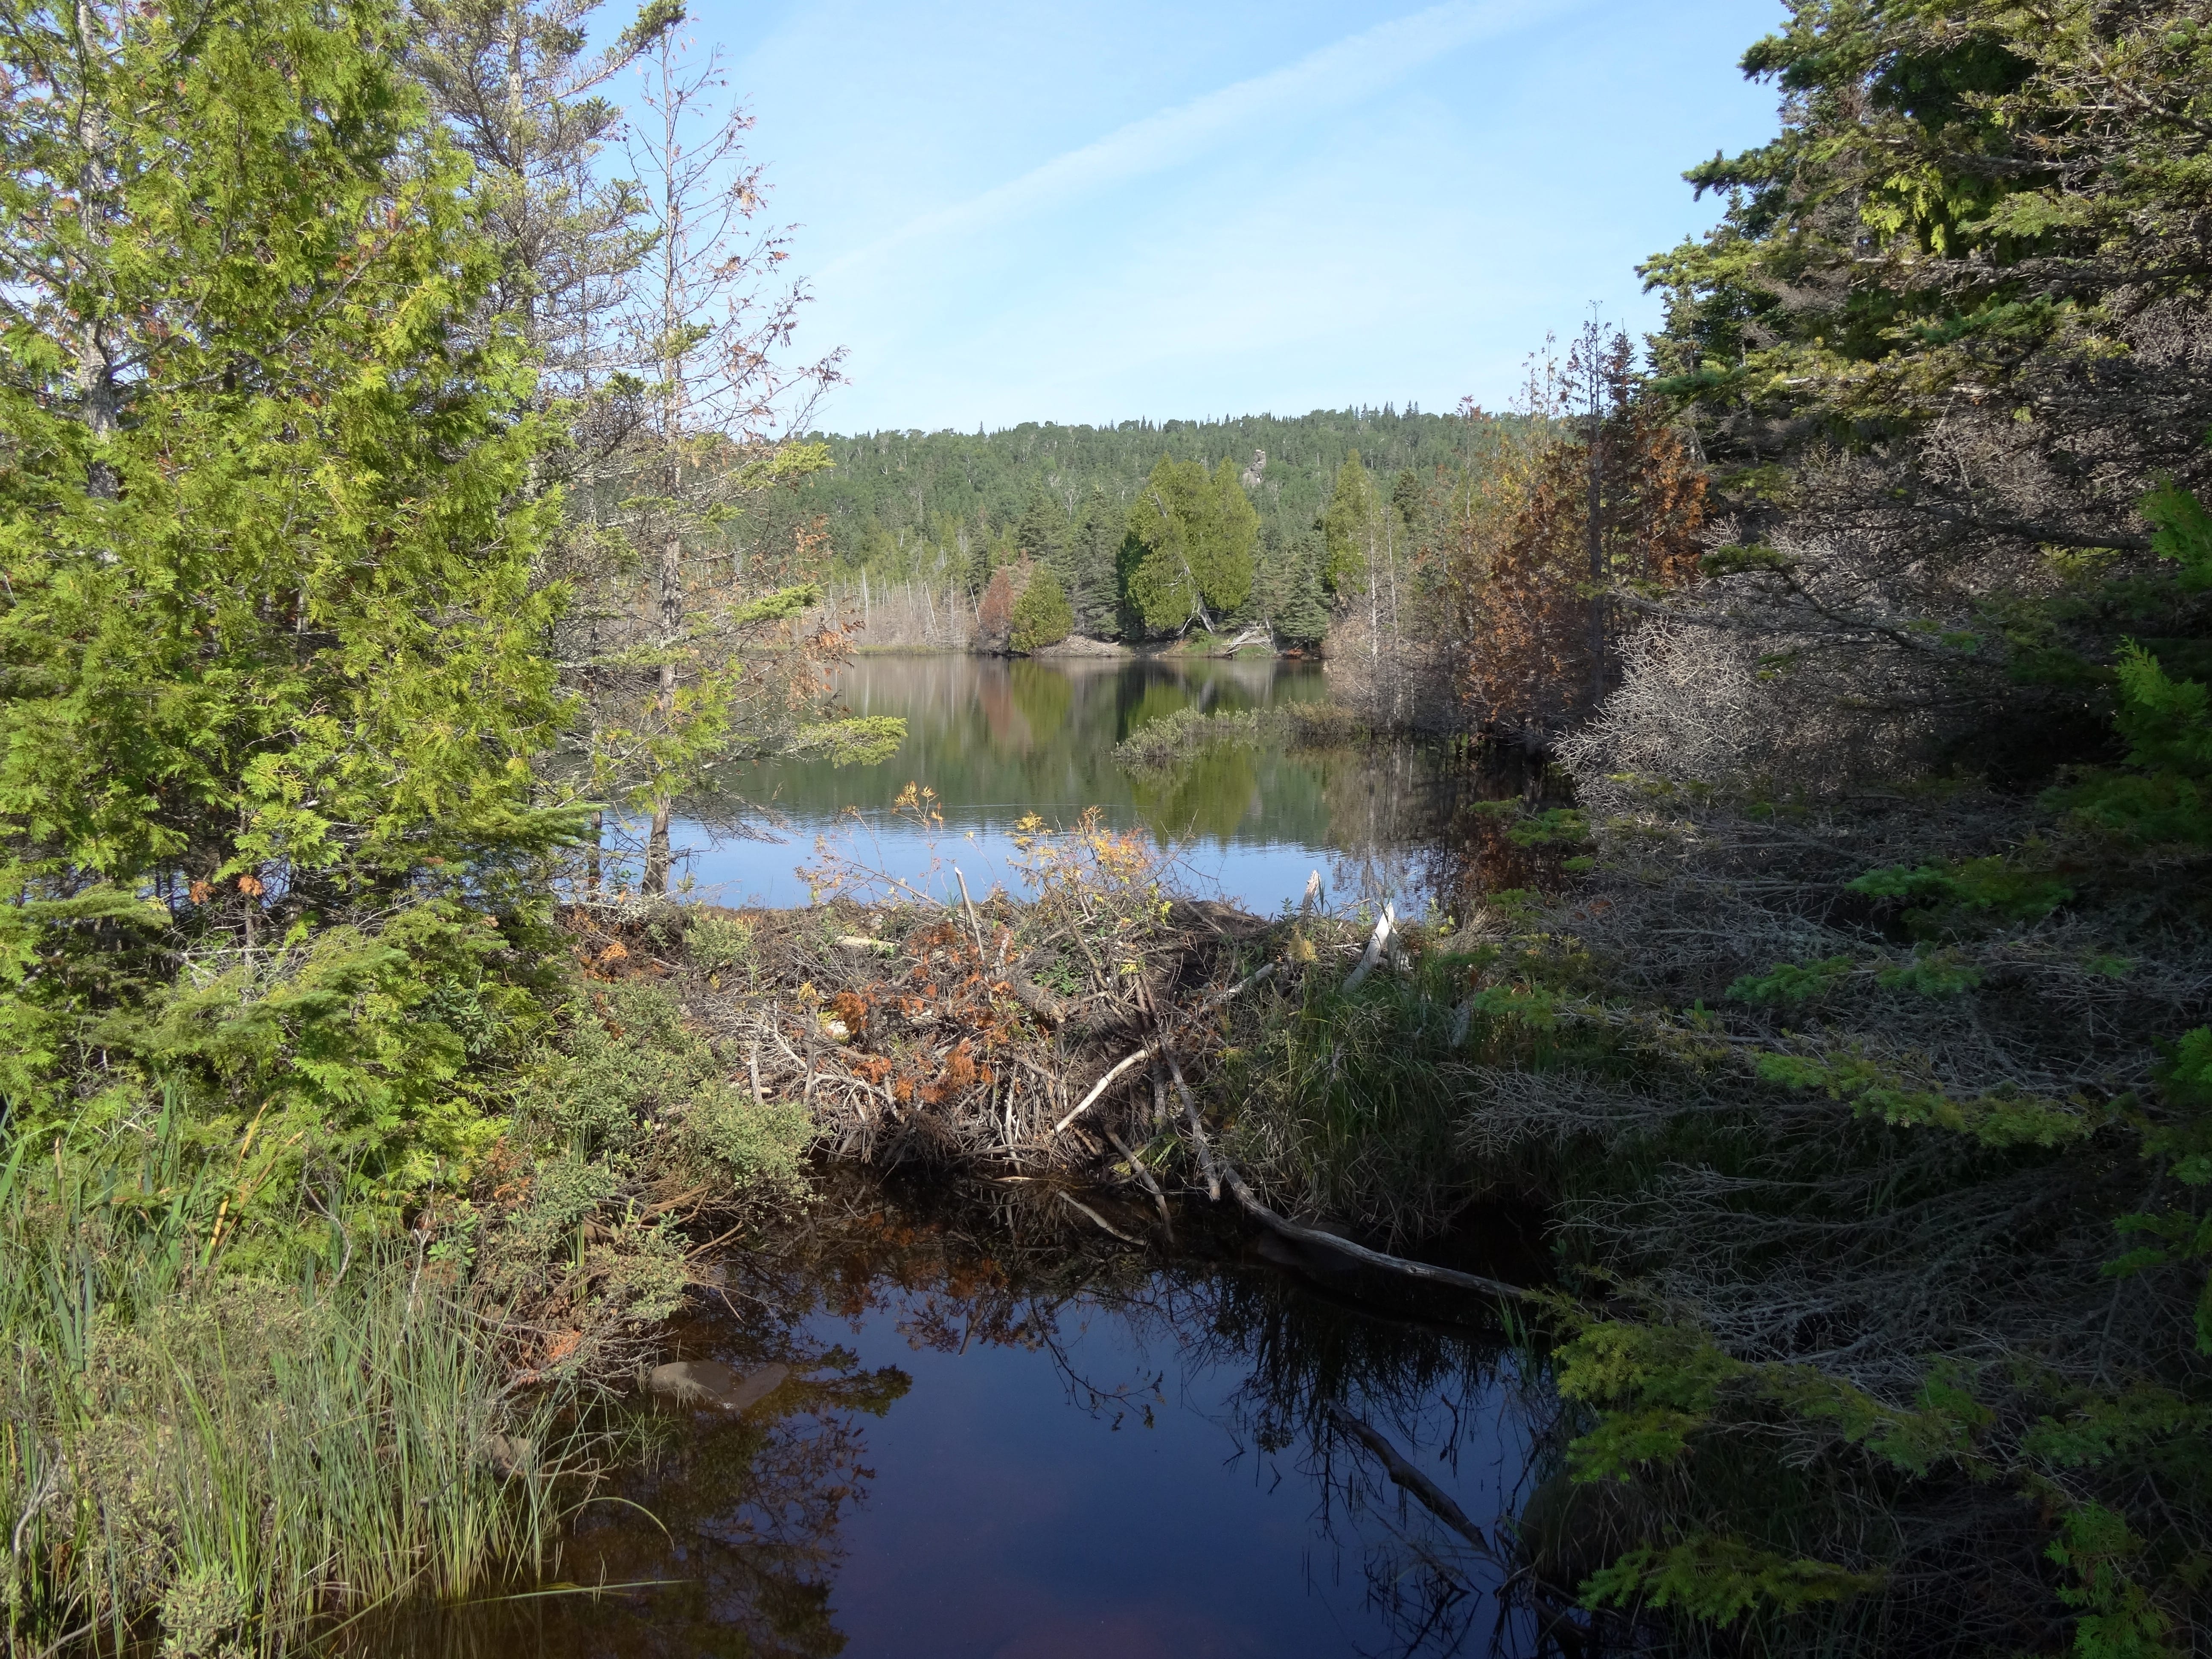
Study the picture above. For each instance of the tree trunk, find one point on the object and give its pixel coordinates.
(1596, 533)
(672, 627)
(591, 858)
(658, 857)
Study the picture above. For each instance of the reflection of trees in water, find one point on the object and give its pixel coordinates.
(1469, 853)
(1380, 801)
(1441, 1395)
(991, 736)
(1207, 795)
(723, 1538)
(1018, 1269)
(1403, 813)
(752, 1507)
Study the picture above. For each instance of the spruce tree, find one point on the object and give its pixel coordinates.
(1041, 535)
(1094, 552)
(1302, 616)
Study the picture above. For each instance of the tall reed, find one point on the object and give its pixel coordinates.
(233, 1458)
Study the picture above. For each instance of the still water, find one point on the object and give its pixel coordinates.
(1005, 1433)
(996, 740)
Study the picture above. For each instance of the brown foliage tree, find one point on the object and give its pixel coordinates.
(1596, 504)
(995, 612)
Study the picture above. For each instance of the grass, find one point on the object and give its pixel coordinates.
(1351, 1103)
(1178, 737)
(233, 1459)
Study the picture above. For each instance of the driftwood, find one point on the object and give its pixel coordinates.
(1257, 634)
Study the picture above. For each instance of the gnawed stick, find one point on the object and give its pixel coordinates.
(1375, 941)
(1396, 1264)
(1211, 1003)
(982, 955)
(1076, 1204)
(1433, 1497)
(1145, 1176)
(1198, 1134)
(1101, 1087)
(1219, 997)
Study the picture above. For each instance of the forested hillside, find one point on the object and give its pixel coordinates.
(947, 508)
(900, 502)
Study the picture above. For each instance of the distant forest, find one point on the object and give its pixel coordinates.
(951, 507)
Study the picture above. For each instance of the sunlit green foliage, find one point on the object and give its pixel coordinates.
(273, 665)
(1191, 541)
(1043, 616)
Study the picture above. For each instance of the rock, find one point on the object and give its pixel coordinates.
(710, 1382)
(757, 1387)
(507, 1452)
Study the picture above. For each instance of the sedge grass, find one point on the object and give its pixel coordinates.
(229, 1460)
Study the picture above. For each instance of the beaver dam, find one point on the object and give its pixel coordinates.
(1099, 1032)
(1088, 1338)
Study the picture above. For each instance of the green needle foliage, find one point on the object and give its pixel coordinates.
(1189, 551)
(271, 674)
(1043, 614)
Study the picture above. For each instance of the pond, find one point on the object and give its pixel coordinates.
(1004, 1432)
(996, 740)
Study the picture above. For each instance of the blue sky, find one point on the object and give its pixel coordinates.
(1092, 212)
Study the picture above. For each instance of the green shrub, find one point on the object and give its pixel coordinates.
(1043, 614)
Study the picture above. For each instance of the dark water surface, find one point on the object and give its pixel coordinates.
(996, 740)
(1006, 1434)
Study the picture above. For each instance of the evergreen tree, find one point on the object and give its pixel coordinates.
(1352, 528)
(273, 678)
(1041, 615)
(1302, 616)
(1041, 535)
(700, 661)
(1094, 554)
(1194, 535)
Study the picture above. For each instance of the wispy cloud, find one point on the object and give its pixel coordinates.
(1350, 70)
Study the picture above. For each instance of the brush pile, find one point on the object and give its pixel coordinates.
(1022, 1034)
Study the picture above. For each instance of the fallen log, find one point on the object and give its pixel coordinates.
(1396, 1264)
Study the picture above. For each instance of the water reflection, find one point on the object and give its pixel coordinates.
(996, 740)
(1010, 1435)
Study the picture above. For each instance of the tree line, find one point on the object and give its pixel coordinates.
(950, 509)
